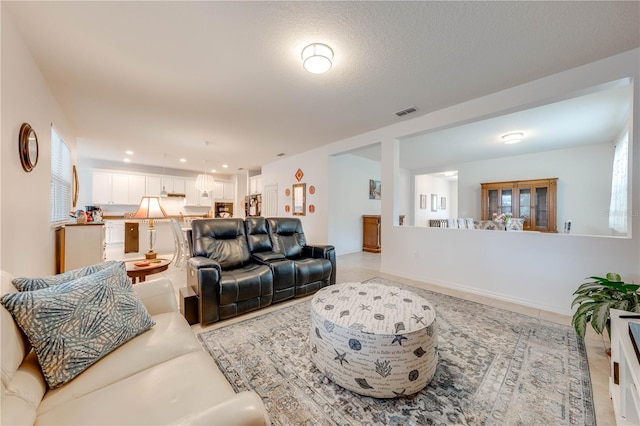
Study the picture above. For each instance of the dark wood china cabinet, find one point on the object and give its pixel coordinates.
(533, 200)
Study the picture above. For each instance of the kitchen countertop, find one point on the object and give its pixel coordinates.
(121, 217)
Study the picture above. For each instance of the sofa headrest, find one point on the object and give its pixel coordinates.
(286, 235)
(285, 225)
(258, 234)
(222, 240)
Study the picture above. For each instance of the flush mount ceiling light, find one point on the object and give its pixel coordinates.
(511, 138)
(316, 58)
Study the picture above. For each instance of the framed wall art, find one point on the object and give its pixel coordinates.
(443, 203)
(423, 201)
(375, 189)
(434, 202)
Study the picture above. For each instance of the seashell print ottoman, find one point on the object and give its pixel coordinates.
(373, 339)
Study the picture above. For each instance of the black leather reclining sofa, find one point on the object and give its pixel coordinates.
(238, 265)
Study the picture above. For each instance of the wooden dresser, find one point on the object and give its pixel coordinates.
(371, 231)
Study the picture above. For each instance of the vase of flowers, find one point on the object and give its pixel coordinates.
(503, 219)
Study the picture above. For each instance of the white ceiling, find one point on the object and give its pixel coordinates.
(594, 118)
(163, 77)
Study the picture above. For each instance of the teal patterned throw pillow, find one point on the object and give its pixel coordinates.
(30, 284)
(74, 324)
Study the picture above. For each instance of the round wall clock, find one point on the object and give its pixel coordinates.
(28, 147)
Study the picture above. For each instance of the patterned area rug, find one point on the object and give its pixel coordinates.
(495, 368)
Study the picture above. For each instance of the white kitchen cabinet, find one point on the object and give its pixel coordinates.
(194, 196)
(173, 185)
(153, 186)
(229, 191)
(101, 191)
(255, 185)
(137, 188)
(84, 245)
(178, 186)
(114, 231)
(224, 190)
(117, 188)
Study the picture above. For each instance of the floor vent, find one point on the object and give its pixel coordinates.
(406, 111)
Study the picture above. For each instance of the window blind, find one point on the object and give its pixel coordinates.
(60, 178)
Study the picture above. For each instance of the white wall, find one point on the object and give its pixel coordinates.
(405, 198)
(584, 186)
(27, 238)
(315, 170)
(540, 270)
(427, 185)
(351, 175)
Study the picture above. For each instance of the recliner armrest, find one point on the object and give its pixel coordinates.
(203, 276)
(267, 256)
(321, 251)
(199, 262)
(324, 252)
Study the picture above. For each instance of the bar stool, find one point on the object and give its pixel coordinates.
(181, 249)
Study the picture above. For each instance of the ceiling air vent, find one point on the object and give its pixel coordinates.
(406, 111)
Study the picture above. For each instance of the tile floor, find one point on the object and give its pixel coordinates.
(361, 266)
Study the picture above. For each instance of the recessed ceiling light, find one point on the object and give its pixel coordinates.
(126, 160)
(129, 152)
(213, 170)
(183, 160)
(511, 138)
(224, 166)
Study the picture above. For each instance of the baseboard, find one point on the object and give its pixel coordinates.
(473, 290)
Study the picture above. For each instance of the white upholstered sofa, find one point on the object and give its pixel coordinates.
(162, 376)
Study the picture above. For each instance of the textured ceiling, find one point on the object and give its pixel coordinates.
(163, 77)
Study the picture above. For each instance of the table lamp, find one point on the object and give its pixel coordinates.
(151, 209)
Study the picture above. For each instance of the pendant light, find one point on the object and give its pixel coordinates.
(205, 182)
(163, 193)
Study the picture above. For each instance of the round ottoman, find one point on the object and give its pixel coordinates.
(374, 339)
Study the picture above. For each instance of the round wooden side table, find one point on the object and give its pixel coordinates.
(139, 273)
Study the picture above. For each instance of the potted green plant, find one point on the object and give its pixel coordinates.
(596, 297)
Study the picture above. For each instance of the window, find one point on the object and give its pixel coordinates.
(60, 178)
(618, 208)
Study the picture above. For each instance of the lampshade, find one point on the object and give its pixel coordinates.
(150, 208)
(205, 183)
(316, 58)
